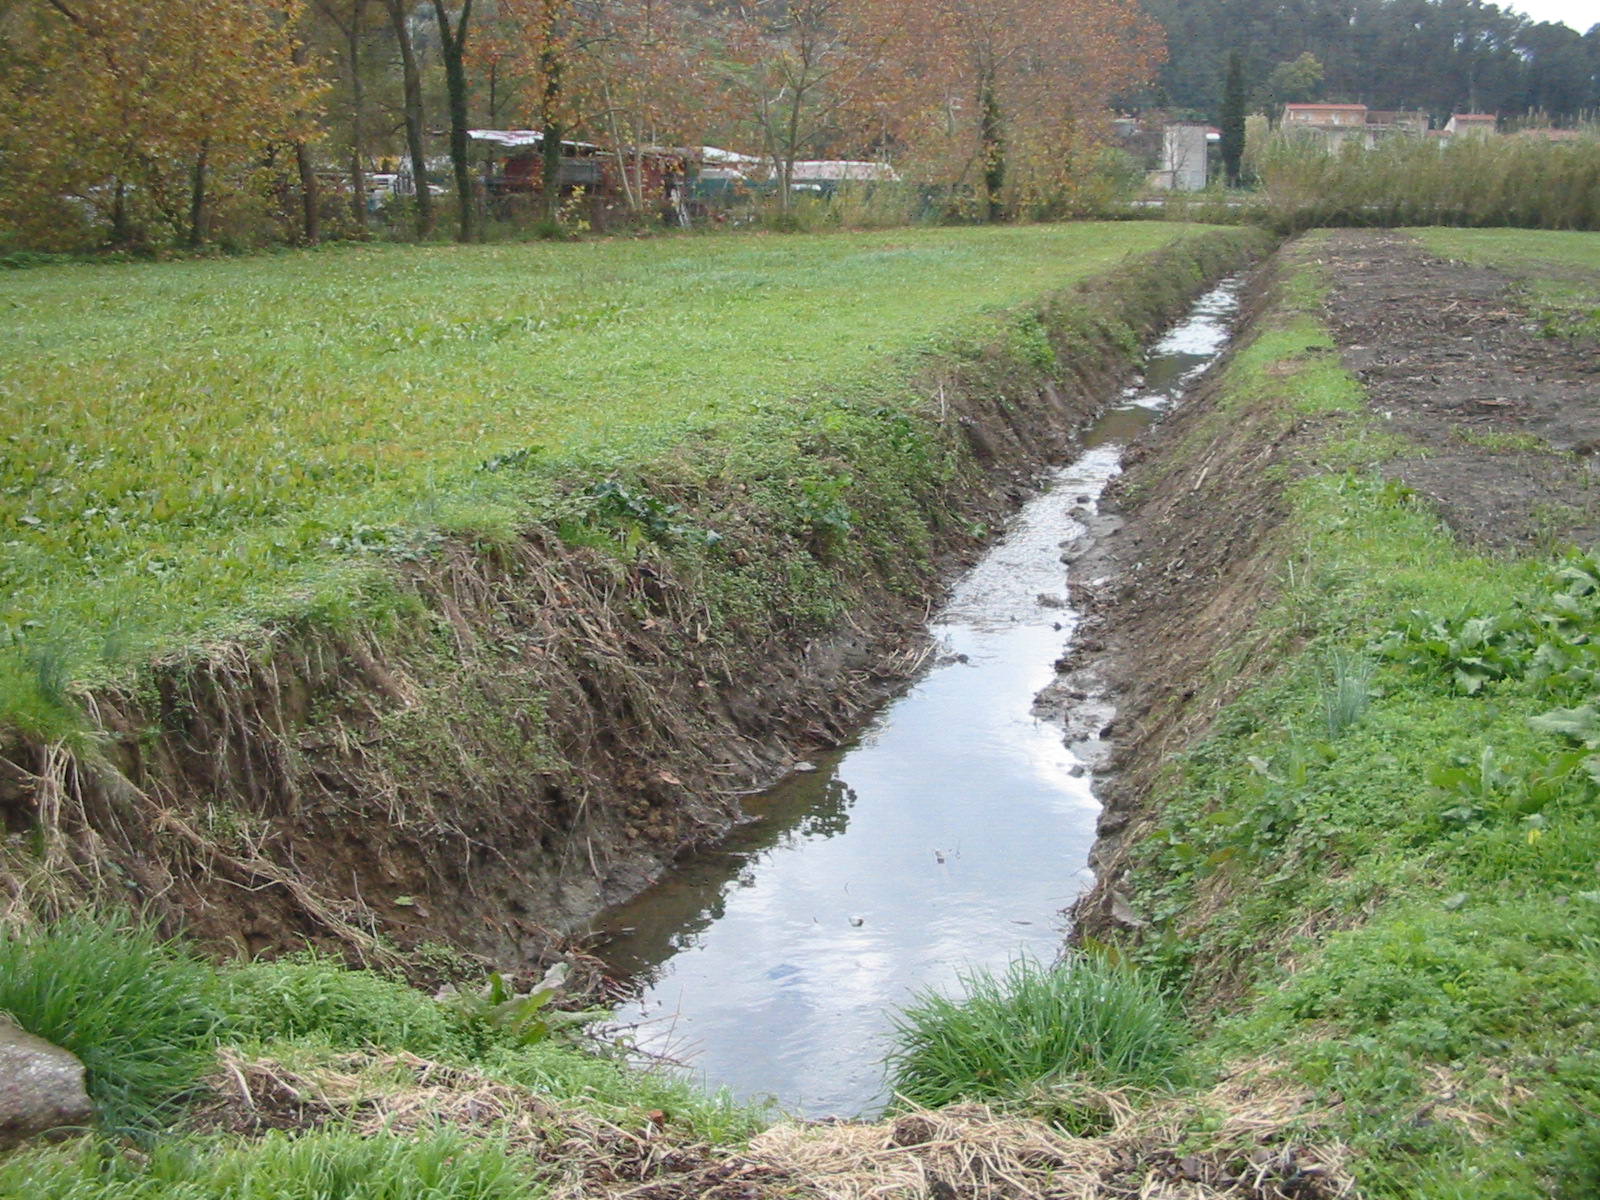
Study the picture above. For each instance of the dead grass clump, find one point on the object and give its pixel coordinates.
(967, 1151)
(582, 1154)
(1264, 1142)
(1262, 1150)
(1268, 1140)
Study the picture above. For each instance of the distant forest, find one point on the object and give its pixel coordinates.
(1442, 56)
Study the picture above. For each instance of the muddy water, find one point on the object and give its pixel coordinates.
(951, 833)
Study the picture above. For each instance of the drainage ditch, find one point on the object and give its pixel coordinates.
(952, 833)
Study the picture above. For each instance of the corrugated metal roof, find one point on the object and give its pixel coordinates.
(837, 170)
(516, 139)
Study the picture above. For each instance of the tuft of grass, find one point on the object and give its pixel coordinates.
(138, 1011)
(335, 1164)
(317, 998)
(607, 1085)
(1347, 691)
(1086, 1019)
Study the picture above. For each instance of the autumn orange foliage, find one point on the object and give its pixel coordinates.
(124, 119)
(127, 113)
(1004, 98)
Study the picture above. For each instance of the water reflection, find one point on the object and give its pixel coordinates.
(951, 833)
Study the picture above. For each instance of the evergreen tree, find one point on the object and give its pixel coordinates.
(1233, 106)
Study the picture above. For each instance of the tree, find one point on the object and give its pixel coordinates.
(804, 72)
(453, 39)
(648, 82)
(142, 112)
(1291, 83)
(1013, 88)
(399, 20)
(624, 74)
(1233, 115)
(546, 38)
(310, 197)
(1560, 79)
(349, 18)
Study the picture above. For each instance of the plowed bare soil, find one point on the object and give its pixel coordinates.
(1506, 421)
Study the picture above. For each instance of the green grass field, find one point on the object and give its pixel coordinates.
(192, 447)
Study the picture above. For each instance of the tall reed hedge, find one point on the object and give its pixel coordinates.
(1520, 181)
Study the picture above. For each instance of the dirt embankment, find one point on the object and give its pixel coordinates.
(1501, 434)
(530, 728)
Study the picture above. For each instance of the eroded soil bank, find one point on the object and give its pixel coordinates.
(522, 728)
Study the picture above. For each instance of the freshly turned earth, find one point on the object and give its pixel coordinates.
(1446, 352)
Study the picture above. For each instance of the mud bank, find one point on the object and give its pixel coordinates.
(517, 727)
(1185, 550)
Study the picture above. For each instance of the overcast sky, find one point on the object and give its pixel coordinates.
(1580, 14)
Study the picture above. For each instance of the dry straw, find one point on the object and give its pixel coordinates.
(1265, 1141)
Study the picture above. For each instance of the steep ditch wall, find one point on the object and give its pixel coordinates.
(512, 730)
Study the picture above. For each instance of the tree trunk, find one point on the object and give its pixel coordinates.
(791, 150)
(454, 43)
(632, 194)
(358, 103)
(121, 229)
(991, 139)
(197, 199)
(310, 199)
(413, 95)
(553, 133)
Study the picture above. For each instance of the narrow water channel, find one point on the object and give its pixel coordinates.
(951, 833)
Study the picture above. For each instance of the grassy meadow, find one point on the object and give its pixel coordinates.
(190, 448)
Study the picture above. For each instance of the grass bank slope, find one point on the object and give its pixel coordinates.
(194, 447)
(505, 684)
(1359, 826)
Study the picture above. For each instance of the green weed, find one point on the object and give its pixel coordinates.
(333, 1164)
(1034, 1027)
(312, 997)
(1348, 691)
(138, 1011)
